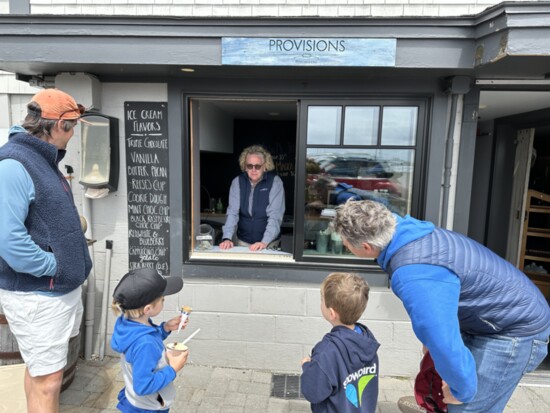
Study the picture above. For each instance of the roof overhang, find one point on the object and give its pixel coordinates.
(507, 41)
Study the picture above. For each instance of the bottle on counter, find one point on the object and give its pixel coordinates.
(219, 206)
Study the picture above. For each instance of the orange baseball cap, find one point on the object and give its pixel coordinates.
(57, 105)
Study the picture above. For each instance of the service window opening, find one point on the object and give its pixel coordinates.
(333, 151)
(220, 130)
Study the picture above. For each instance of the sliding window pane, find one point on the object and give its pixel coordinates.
(361, 125)
(323, 125)
(335, 175)
(399, 125)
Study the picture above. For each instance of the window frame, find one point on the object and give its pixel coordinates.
(299, 260)
(419, 169)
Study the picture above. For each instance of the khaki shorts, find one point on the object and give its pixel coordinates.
(43, 325)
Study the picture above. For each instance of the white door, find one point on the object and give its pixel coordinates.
(522, 164)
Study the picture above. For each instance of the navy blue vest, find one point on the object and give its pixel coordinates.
(251, 227)
(53, 221)
(495, 297)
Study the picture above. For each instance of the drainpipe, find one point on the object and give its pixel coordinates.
(105, 300)
(456, 86)
(90, 290)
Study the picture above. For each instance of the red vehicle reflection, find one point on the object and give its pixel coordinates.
(361, 173)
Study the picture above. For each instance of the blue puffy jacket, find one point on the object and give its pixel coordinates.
(449, 283)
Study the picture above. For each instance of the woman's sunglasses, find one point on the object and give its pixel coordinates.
(251, 166)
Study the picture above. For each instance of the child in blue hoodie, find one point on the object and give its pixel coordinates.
(148, 370)
(341, 375)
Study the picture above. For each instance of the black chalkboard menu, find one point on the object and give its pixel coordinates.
(146, 127)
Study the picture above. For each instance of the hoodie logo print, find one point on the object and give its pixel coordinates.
(356, 383)
(354, 394)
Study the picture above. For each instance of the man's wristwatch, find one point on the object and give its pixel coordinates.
(226, 239)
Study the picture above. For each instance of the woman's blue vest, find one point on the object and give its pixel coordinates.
(52, 221)
(251, 227)
(495, 297)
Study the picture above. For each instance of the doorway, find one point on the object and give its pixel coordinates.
(535, 244)
(503, 136)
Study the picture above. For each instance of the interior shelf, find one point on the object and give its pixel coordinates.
(537, 258)
(535, 242)
(538, 232)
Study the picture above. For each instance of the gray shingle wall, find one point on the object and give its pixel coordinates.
(261, 8)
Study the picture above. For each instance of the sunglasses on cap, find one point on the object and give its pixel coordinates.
(79, 108)
(251, 166)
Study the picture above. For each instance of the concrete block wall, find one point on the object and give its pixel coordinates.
(263, 8)
(272, 326)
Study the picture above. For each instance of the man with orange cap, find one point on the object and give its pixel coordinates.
(44, 256)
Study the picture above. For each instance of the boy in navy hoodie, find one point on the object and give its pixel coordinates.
(341, 375)
(148, 370)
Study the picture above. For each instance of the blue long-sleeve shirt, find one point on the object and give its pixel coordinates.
(430, 295)
(17, 248)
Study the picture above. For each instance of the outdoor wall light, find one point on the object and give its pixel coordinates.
(99, 154)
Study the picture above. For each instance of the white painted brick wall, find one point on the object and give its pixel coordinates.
(14, 96)
(261, 8)
(5, 118)
(9, 84)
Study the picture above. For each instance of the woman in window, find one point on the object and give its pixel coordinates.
(256, 203)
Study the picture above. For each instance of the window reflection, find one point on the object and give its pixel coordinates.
(323, 125)
(336, 175)
(361, 125)
(399, 125)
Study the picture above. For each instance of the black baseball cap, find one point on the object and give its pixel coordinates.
(143, 286)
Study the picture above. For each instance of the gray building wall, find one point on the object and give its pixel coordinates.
(272, 317)
(265, 324)
(268, 323)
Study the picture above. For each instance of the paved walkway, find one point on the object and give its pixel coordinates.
(203, 389)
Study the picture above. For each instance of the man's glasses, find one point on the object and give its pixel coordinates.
(257, 167)
(79, 108)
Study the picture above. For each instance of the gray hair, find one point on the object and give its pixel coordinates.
(259, 151)
(365, 221)
(40, 127)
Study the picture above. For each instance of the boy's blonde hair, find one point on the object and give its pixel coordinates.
(347, 294)
(131, 314)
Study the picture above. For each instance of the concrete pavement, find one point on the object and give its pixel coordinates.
(207, 389)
